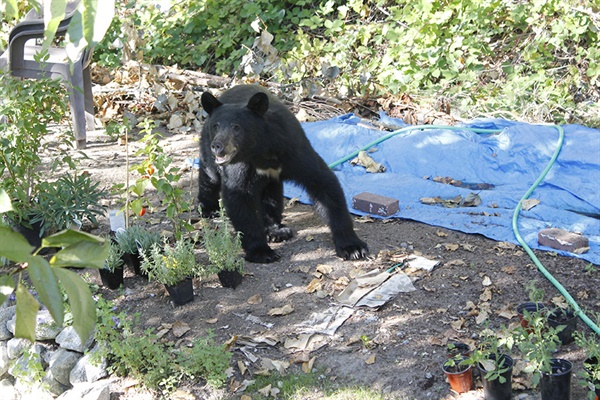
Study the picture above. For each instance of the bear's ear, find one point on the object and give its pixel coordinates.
(209, 102)
(259, 103)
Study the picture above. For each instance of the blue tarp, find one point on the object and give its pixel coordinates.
(510, 160)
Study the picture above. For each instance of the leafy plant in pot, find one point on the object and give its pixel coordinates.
(224, 249)
(590, 375)
(495, 365)
(563, 316)
(28, 108)
(459, 373)
(535, 303)
(134, 242)
(537, 342)
(112, 273)
(174, 266)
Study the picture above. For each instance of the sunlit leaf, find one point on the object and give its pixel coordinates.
(54, 13)
(5, 204)
(27, 308)
(7, 286)
(8, 9)
(83, 306)
(81, 255)
(19, 249)
(69, 237)
(47, 287)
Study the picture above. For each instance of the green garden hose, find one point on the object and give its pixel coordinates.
(576, 309)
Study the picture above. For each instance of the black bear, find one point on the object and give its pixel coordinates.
(250, 143)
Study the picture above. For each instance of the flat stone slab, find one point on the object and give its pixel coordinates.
(560, 239)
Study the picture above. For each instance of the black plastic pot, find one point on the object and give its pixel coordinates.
(230, 279)
(112, 279)
(135, 261)
(461, 381)
(459, 348)
(557, 385)
(529, 307)
(182, 293)
(560, 316)
(494, 389)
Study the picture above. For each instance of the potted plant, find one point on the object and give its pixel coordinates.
(590, 375)
(66, 202)
(495, 365)
(224, 248)
(537, 342)
(174, 266)
(26, 119)
(112, 273)
(134, 242)
(563, 316)
(459, 373)
(535, 303)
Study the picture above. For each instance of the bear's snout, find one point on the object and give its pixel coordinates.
(223, 153)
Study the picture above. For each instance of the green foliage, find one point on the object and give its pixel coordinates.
(537, 59)
(75, 249)
(114, 260)
(66, 202)
(170, 264)
(537, 342)
(490, 349)
(156, 169)
(158, 365)
(136, 238)
(29, 107)
(223, 246)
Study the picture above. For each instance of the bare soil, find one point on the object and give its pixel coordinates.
(397, 349)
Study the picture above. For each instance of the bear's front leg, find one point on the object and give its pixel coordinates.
(243, 207)
(273, 211)
(208, 194)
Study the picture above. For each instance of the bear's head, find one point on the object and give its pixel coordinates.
(234, 130)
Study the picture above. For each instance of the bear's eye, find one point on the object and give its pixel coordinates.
(236, 128)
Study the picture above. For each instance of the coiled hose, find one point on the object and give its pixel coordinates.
(561, 136)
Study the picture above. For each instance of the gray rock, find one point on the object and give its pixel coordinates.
(52, 385)
(46, 328)
(31, 390)
(6, 314)
(86, 371)
(8, 390)
(70, 340)
(88, 391)
(61, 364)
(3, 359)
(16, 346)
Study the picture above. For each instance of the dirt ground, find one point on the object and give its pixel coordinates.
(397, 349)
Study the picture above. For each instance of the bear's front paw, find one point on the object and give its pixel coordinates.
(279, 233)
(263, 255)
(353, 251)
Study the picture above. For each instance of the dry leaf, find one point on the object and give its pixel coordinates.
(458, 262)
(285, 310)
(451, 246)
(242, 367)
(256, 299)
(180, 328)
(468, 247)
(483, 315)
(324, 269)
(486, 295)
(486, 281)
(308, 366)
(314, 285)
(266, 391)
(509, 269)
(560, 301)
(370, 360)
(441, 233)
(457, 325)
(528, 204)
(507, 313)
(211, 321)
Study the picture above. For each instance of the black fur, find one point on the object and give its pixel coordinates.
(249, 145)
